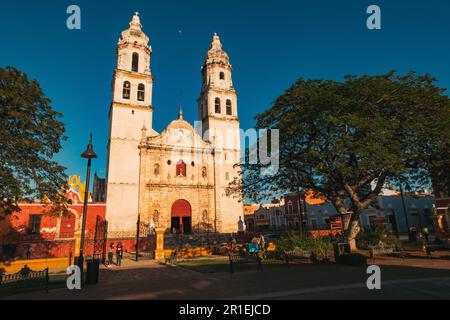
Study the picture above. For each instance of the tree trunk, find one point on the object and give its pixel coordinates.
(351, 230)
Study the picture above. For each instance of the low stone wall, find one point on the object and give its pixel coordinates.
(35, 265)
(190, 252)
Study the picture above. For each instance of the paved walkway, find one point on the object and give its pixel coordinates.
(412, 278)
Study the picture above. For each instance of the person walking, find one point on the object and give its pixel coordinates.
(110, 254)
(119, 253)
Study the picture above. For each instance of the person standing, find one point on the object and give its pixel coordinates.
(110, 254)
(425, 233)
(119, 253)
(29, 252)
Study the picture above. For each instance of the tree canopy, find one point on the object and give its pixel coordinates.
(30, 134)
(345, 140)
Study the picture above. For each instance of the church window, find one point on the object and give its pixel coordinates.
(169, 162)
(126, 90)
(181, 169)
(156, 171)
(34, 225)
(135, 62)
(204, 174)
(222, 76)
(192, 163)
(217, 105)
(141, 92)
(229, 112)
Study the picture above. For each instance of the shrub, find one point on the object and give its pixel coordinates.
(375, 236)
(320, 247)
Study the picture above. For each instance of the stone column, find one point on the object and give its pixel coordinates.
(77, 243)
(159, 252)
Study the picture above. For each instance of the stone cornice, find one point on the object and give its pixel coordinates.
(160, 147)
(175, 185)
(222, 118)
(131, 106)
(210, 88)
(134, 75)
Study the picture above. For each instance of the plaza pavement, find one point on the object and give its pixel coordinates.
(411, 278)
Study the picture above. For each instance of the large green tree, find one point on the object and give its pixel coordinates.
(30, 134)
(346, 140)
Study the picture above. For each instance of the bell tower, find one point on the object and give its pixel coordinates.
(217, 107)
(130, 109)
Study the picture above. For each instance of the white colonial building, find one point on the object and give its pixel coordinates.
(175, 179)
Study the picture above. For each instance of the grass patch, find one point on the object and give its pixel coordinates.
(222, 264)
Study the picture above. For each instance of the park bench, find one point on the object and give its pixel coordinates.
(297, 254)
(24, 278)
(244, 258)
(172, 258)
(384, 249)
(429, 248)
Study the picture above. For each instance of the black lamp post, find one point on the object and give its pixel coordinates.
(87, 154)
(404, 207)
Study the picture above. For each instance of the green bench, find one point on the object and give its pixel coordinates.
(235, 258)
(25, 277)
(297, 254)
(387, 249)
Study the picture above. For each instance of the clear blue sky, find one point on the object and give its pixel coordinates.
(270, 43)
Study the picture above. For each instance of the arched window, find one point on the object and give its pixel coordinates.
(204, 173)
(181, 169)
(135, 62)
(229, 111)
(217, 105)
(141, 92)
(156, 171)
(126, 90)
(222, 76)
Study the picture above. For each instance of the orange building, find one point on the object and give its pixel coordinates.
(33, 233)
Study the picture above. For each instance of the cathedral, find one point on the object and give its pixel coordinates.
(175, 179)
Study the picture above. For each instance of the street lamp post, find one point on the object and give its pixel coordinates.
(404, 207)
(138, 225)
(87, 154)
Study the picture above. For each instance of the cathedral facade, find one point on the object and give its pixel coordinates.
(175, 179)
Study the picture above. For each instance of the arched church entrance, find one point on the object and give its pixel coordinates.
(181, 217)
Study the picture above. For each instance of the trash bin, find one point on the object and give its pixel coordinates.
(412, 234)
(340, 249)
(93, 267)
